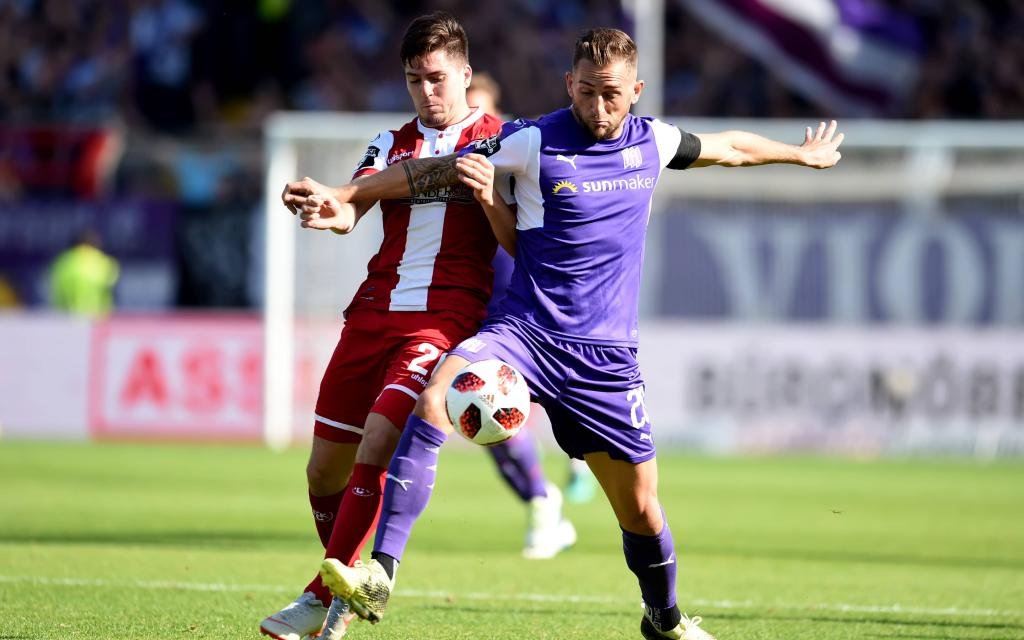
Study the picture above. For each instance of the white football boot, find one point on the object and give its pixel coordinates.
(303, 617)
(548, 533)
(339, 617)
(687, 629)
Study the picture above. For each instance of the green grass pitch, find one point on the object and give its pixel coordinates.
(172, 541)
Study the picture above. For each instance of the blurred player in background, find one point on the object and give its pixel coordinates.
(82, 278)
(485, 93)
(427, 289)
(584, 180)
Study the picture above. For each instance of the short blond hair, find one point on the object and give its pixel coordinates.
(604, 46)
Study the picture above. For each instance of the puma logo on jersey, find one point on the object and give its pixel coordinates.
(570, 161)
(402, 483)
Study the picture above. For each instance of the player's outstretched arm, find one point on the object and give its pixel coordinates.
(400, 180)
(317, 207)
(476, 172)
(820, 149)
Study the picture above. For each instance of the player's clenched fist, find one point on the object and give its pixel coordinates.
(296, 194)
(317, 207)
(477, 173)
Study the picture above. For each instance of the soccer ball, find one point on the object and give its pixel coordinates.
(488, 401)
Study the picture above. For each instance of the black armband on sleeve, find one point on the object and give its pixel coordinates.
(687, 153)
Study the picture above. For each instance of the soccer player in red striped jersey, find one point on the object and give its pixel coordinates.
(427, 289)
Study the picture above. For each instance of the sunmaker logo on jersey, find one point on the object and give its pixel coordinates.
(635, 182)
(564, 185)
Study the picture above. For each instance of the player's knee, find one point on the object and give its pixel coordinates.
(431, 406)
(379, 442)
(323, 479)
(644, 517)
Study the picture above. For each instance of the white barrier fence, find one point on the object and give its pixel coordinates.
(712, 387)
(847, 390)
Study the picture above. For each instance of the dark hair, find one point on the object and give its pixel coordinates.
(604, 46)
(437, 31)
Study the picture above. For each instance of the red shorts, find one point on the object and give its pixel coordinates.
(381, 364)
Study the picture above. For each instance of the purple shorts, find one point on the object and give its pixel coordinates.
(593, 394)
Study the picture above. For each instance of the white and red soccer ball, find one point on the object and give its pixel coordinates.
(488, 401)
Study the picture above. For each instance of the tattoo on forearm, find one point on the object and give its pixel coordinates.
(408, 176)
(428, 174)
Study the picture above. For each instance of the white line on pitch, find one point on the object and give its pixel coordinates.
(528, 597)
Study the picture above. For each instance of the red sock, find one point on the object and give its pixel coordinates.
(325, 513)
(320, 590)
(358, 513)
(355, 522)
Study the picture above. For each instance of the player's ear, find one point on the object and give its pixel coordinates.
(568, 82)
(638, 88)
(467, 75)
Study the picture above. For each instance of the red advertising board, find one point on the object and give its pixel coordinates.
(171, 377)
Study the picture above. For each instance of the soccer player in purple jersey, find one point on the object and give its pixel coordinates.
(584, 178)
(388, 347)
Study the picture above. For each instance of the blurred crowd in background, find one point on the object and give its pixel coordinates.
(164, 99)
(174, 64)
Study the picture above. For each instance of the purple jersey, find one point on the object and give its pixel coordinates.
(583, 208)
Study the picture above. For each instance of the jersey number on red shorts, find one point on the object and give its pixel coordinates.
(430, 354)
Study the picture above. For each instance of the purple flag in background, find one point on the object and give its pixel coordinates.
(852, 57)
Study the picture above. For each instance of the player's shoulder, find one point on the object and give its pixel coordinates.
(519, 124)
(657, 127)
(552, 122)
(486, 125)
(560, 130)
(399, 144)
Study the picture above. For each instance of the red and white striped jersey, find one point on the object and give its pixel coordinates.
(438, 246)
